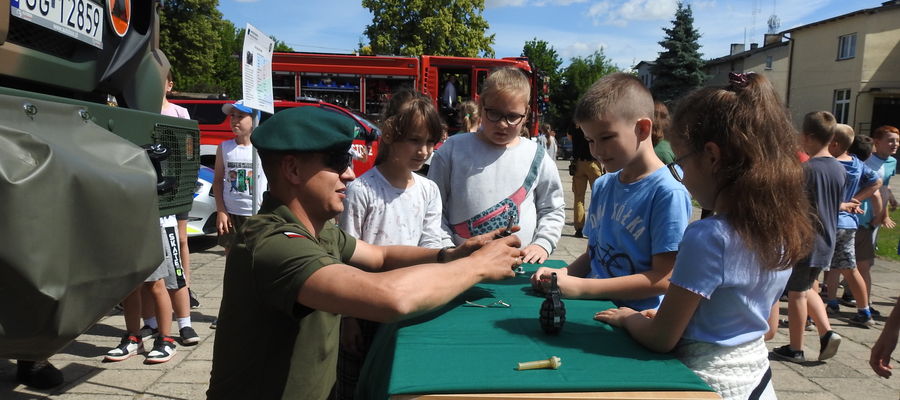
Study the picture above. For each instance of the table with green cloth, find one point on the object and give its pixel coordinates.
(462, 348)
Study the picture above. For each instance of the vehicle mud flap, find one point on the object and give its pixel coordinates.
(80, 226)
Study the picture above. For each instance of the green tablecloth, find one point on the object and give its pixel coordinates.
(464, 349)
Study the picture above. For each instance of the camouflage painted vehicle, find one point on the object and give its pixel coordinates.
(82, 181)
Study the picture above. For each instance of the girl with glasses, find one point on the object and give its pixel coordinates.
(732, 267)
(489, 176)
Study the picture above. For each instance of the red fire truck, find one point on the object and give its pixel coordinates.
(365, 83)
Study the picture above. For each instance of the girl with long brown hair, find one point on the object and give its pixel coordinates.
(735, 149)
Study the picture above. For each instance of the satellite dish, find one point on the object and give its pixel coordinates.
(774, 24)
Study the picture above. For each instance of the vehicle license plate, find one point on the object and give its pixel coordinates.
(78, 19)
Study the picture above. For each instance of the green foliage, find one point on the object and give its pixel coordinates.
(575, 79)
(678, 69)
(203, 47)
(281, 46)
(189, 37)
(544, 59)
(228, 62)
(888, 240)
(434, 27)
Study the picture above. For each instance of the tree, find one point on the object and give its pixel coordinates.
(435, 27)
(575, 79)
(203, 47)
(545, 60)
(678, 68)
(189, 36)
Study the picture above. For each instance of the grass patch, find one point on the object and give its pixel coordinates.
(887, 239)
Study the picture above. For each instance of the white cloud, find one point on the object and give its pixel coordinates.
(541, 3)
(607, 13)
(503, 3)
(537, 3)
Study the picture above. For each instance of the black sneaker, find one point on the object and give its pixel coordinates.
(163, 350)
(129, 346)
(147, 332)
(874, 312)
(195, 303)
(188, 336)
(214, 324)
(861, 320)
(578, 233)
(832, 308)
(848, 300)
(785, 353)
(38, 374)
(829, 343)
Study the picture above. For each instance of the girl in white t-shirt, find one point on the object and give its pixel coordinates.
(729, 272)
(392, 205)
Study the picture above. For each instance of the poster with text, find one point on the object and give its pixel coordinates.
(257, 70)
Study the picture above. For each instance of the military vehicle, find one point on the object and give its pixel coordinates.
(87, 164)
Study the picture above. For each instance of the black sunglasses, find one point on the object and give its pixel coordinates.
(338, 161)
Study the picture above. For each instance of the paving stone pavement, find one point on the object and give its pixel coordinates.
(846, 376)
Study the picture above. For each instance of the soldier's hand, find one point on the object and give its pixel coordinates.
(475, 243)
(498, 258)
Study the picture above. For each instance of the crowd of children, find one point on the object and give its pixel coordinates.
(707, 291)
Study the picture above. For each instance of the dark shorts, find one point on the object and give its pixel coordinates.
(182, 216)
(237, 221)
(802, 277)
(865, 247)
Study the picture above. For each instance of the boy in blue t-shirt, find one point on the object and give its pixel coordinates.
(861, 182)
(638, 212)
(885, 138)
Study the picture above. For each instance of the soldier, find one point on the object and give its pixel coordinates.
(293, 273)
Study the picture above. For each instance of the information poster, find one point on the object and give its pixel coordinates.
(257, 70)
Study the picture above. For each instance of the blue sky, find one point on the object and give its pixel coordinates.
(627, 30)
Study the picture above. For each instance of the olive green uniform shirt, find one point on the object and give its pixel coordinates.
(268, 345)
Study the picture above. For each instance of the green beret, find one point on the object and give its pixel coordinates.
(305, 129)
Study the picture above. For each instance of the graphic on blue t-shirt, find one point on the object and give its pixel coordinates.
(628, 223)
(615, 263)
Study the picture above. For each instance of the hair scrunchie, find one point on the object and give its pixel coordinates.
(739, 80)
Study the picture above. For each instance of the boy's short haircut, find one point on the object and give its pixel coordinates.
(820, 126)
(506, 80)
(843, 136)
(879, 132)
(861, 147)
(619, 94)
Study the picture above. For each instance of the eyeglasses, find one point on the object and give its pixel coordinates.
(675, 166)
(338, 161)
(495, 116)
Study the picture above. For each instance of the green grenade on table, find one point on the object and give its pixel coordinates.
(553, 311)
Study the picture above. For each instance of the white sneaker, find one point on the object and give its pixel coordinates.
(163, 350)
(129, 346)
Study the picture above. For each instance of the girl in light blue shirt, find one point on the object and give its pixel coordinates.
(729, 272)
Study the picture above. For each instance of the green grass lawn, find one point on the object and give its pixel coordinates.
(887, 239)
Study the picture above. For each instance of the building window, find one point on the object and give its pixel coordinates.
(841, 105)
(768, 62)
(846, 46)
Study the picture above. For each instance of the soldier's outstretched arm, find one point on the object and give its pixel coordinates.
(405, 292)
